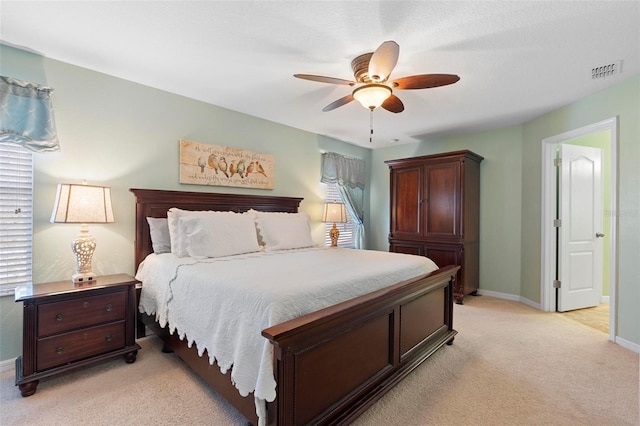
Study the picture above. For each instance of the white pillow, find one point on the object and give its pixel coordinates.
(217, 235)
(252, 213)
(281, 231)
(159, 232)
(178, 244)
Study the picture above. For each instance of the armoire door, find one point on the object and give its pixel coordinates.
(406, 200)
(443, 202)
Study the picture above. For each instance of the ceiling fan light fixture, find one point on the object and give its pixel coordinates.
(371, 96)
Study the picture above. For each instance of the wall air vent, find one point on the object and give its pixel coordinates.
(606, 70)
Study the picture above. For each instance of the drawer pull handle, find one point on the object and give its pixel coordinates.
(59, 317)
(85, 305)
(59, 350)
(109, 308)
(107, 338)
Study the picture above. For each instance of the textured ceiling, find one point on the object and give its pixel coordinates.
(516, 59)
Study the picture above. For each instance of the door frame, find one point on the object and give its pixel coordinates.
(548, 198)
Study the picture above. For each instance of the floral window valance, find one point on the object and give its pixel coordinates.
(26, 115)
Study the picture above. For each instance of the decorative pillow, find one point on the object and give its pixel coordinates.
(159, 231)
(217, 235)
(281, 231)
(178, 244)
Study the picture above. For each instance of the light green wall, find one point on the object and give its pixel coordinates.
(623, 101)
(500, 204)
(123, 135)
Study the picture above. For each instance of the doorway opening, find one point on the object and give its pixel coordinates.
(548, 246)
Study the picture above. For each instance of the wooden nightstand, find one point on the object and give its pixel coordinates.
(66, 326)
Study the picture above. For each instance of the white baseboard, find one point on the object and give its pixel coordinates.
(529, 302)
(512, 297)
(498, 295)
(634, 347)
(604, 299)
(7, 364)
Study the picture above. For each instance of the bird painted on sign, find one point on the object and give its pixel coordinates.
(213, 162)
(232, 168)
(241, 168)
(222, 165)
(202, 164)
(250, 168)
(260, 169)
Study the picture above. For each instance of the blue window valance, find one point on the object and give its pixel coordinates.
(346, 171)
(26, 115)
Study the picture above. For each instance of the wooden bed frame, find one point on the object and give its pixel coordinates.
(330, 365)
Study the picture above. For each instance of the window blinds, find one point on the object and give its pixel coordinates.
(16, 224)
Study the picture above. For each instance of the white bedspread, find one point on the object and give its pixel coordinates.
(223, 304)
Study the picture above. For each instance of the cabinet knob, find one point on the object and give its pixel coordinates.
(108, 308)
(59, 350)
(59, 317)
(85, 305)
(107, 338)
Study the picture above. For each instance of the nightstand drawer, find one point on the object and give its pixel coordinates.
(81, 312)
(68, 347)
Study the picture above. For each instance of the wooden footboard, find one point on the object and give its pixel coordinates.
(332, 364)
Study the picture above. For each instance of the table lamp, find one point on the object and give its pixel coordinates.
(82, 204)
(334, 212)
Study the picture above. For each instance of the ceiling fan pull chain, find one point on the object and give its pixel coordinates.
(371, 127)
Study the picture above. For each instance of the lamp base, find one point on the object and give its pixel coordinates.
(83, 247)
(83, 278)
(334, 234)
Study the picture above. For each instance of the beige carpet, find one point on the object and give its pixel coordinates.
(510, 365)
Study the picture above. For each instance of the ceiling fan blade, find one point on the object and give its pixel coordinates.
(424, 81)
(336, 104)
(323, 79)
(393, 104)
(383, 61)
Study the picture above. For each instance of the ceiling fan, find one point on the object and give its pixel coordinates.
(372, 86)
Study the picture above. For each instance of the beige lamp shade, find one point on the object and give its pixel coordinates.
(82, 204)
(334, 212)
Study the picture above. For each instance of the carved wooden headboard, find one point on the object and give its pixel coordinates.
(155, 203)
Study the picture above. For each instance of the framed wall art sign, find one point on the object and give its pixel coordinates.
(205, 164)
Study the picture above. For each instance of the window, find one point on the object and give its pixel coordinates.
(16, 207)
(346, 229)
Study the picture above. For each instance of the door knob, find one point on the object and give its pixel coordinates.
(599, 235)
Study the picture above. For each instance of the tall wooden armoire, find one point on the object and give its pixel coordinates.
(435, 212)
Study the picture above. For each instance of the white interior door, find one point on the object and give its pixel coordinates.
(580, 242)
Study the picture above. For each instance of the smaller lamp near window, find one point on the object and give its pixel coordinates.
(82, 204)
(336, 213)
